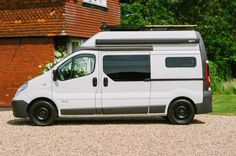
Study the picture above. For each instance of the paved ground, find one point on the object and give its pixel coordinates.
(208, 135)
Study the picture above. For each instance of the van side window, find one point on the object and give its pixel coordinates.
(179, 62)
(127, 67)
(78, 66)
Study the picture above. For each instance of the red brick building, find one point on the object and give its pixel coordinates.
(31, 30)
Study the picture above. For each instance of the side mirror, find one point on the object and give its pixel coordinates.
(55, 75)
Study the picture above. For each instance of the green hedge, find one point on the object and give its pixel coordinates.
(221, 81)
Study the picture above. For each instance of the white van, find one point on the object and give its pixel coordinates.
(147, 73)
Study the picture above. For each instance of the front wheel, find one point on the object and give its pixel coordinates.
(181, 112)
(42, 113)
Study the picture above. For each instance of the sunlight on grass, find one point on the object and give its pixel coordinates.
(229, 87)
(224, 104)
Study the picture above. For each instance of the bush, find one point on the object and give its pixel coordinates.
(229, 87)
(215, 20)
(221, 82)
(60, 54)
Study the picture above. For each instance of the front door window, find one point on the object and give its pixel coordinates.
(78, 66)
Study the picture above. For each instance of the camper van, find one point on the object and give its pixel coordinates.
(114, 74)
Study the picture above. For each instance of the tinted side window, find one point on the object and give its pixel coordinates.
(127, 67)
(178, 62)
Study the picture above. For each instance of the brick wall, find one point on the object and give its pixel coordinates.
(19, 61)
(85, 21)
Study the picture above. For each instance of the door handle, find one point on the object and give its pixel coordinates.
(95, 82)
(105, 82)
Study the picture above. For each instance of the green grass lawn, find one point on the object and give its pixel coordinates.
(224, 104)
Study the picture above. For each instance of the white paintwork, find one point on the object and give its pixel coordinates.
(160, 71)
(163, 92)
(79, 93)
(140, 35)
(178, 48)
(40, 86)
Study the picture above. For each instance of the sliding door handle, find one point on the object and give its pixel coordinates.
(105, 82)
(95, 82)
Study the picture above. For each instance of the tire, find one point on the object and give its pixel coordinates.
(42, 113)
(181, 112)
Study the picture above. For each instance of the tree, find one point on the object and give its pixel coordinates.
(215, 20)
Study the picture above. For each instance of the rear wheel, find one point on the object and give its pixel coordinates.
(42, 113)
(181, 112)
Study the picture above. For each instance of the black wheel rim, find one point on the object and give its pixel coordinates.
(181, 111)
(42, 113)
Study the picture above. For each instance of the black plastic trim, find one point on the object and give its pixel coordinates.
(145, 41)
(82, 111)
(204, 59)
(19, 108)
(157, 109)
(99, 111)
(206, 105)
(126, 110)
(182, 79)
(119, 48)
(113, 110)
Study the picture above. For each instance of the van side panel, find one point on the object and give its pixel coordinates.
(168, 83)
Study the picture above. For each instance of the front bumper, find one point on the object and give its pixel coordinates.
(206, 105)
(19, 108)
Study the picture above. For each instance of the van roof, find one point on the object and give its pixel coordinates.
(123, 37)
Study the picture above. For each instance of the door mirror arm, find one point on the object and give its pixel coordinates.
(55, 75)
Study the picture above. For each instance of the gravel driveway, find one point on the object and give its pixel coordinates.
(208, 135)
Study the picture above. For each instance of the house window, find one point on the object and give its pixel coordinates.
(101, 3)
(73, 45)
(96, 4)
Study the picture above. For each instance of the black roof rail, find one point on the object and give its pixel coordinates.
(120, 48)
(169, 27)
(105, 27)
(145, 41)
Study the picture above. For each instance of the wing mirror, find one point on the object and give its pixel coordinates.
(55, 75)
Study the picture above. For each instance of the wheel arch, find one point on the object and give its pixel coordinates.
(185, 98)
(42, 99)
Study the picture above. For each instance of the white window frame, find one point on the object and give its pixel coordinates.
(70, 44)
(102, 3)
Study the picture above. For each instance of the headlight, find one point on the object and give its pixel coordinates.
(22, 88)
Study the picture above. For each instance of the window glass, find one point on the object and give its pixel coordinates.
(127, 67)
(178, 62)
(102, 3)
(83, 65)
(76, 45)
(65, 70)
(76, 67)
